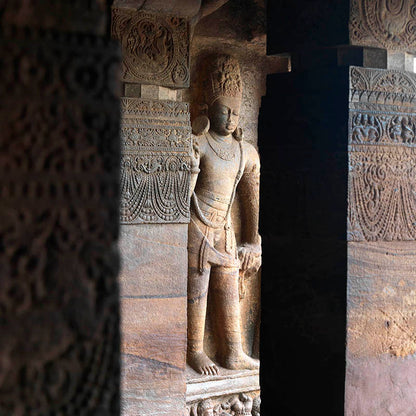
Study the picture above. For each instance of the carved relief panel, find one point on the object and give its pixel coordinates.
(389, 24)
(59, 169)
(382, 155)
(155, 48)
(156, 140)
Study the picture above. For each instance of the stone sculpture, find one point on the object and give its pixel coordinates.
(222, 165)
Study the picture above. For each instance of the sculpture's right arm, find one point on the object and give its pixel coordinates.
(195, 161)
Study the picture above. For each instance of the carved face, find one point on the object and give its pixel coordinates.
(224, 115)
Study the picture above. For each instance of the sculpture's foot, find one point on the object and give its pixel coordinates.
(200, 362)
(241, 361)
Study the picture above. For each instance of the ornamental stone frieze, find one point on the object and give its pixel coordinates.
(155, 48)
(382, 155)
(156, 140)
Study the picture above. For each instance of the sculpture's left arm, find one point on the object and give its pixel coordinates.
(249, 190)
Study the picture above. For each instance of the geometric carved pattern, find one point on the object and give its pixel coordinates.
(155, 163)
(382, 155)
(389, 24)
(59, 168)
(155, 48)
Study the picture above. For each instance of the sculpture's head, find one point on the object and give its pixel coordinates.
(224, 114)
(223, 91)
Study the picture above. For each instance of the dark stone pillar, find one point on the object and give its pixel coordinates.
(59, 173)
(344, 170)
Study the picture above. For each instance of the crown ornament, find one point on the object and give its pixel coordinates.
(223, 79)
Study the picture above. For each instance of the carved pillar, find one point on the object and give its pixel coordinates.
(370, 206)
(155, 169)
(59, 172)
(381, 248)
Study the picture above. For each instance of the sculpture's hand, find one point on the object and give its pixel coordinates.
(250, 257)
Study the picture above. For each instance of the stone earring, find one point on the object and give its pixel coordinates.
(200, 125)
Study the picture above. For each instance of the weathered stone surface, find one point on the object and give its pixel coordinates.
(389, 24)
(156, 140)
(381, 386)
(153, 287)
(154, 260)
(59, 172)
(154, 329)
(151, 388)
(381, 299)
(155, 47)
(382, 150)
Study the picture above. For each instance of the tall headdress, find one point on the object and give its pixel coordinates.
(223, 79)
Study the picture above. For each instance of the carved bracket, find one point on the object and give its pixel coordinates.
(382, 155)
(156, 140)
(155, 48)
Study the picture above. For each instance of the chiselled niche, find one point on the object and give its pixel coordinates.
(155, 162)
(223, 166)
(389, 24)
(155, 48)
(382, 155)
(59, 170)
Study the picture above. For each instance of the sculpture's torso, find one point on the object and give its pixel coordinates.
(218, 176)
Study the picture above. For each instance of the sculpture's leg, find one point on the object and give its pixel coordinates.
(224, 286)
(197, 309)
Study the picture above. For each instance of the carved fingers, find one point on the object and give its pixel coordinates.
(250, 257)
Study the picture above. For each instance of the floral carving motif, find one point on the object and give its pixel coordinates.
(156, 139)
(382, 193)
(385, 87)
(382, 155)
(155, 48)
(384, 23)
(59, 168)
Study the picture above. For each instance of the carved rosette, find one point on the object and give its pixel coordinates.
(389, 24)
(382, 155)
(59, 168)
(155, 48)
(156, 140)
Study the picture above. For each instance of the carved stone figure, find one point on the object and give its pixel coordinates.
(223, 165)
(241, 405)
(255, 411)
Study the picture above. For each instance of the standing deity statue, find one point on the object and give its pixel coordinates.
(223, 165)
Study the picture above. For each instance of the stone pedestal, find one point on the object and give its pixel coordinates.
(221, 388)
